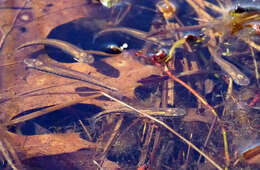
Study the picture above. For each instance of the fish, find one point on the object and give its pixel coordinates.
(250, 155)
(237, 76)
(157, 112)
(77, 53)
(65, 72)
(135, 33)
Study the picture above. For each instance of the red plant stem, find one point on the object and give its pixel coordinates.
(188, 87)
(166, 69)
(255, 99)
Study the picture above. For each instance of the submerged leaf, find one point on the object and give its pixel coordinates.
(48, 144)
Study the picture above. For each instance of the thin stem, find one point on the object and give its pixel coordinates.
(167, 127)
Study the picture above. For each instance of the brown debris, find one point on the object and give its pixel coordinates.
(48, 144)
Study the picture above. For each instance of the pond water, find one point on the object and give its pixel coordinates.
(188, 69)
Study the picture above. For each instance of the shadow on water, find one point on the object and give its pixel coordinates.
(129, 148)
(57, 120)
(82, 31)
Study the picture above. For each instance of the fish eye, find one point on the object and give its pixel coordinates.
(114, 48)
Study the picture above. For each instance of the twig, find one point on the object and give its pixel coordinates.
(208, 136)
(13, 154)
(224, 134)
(155, 146)
(113, 135)
(85, 130)
(5, 35)
(145, 149)
(187, 155)
(167, 127)
(47, 110)
(203, 101)
(214, 7)
(7, 156)
(256, 66)
(252, 44)
(230, 88)
(202, 13)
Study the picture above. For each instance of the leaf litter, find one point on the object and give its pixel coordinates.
(24, 89)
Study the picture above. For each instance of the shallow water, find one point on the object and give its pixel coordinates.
(134, 143)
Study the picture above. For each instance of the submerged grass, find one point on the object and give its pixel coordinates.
(151, 39)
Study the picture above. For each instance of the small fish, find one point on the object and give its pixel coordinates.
(135, 33)
(239, 10)
(65, 72)
(116, 48)
(250, 156)
(237, 76)
(157, 112)
(77, 53)
(241, 16)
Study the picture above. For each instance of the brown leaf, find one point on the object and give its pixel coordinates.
(37, 19)
(109, 165)
(130, 72)
(46, 15)
(48, 144)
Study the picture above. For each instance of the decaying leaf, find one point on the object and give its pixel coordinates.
(109, 165)
(24, 90)
(48, 144)
(37, 20)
